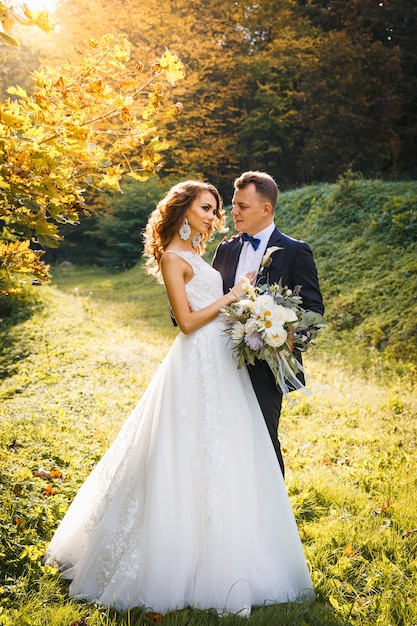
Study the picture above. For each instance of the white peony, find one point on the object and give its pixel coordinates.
(263, 305)
(284, 314)
(244, 305)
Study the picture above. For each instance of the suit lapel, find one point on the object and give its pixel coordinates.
(274, 240)
(230, 263)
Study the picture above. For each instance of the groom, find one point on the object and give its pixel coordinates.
(254, 201)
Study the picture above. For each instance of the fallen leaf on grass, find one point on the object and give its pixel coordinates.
(383, 507)
(49, 491)
(344, 461)
(349, 550)
(407, 533)
(52, 475)
(327, 461)
(40, 473)
(153, 618)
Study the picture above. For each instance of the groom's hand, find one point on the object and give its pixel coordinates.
(290, 340)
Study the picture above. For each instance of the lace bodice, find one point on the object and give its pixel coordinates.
(206, 285)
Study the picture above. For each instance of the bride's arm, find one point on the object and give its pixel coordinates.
(176, 273)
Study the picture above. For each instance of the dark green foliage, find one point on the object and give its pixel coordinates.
(80, 245)
(112, 235)
(120, 226)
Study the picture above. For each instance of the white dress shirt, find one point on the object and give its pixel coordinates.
(250, 259)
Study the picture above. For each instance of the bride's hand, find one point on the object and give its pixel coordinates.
(251, 276)
(240, 288)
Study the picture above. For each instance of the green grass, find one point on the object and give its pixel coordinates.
(74, 368)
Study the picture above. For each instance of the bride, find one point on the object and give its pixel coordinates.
(188, 506)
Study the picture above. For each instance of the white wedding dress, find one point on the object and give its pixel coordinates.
(188, 506)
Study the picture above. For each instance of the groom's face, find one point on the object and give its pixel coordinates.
(251, 213)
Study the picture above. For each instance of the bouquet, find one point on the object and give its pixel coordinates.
(261, 324)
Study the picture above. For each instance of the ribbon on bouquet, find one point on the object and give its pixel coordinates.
(285, 368)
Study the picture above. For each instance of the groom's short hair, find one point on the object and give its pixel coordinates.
(264, 184)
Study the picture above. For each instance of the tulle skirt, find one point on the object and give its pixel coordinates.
(188, 506)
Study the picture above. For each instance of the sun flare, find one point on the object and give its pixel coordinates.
(42, 5)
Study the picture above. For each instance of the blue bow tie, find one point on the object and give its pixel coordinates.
(253, 240)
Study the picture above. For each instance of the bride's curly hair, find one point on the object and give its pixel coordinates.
(168, 216)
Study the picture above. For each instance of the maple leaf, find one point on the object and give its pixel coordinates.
(9, 40)
(127, 116)
(17, 91)
(153, 618)
(111, 179)
(39, 19)
(12, 14)
(349, 551)
(11, 115)
(56, 473)
(171, 67)
(49, 491)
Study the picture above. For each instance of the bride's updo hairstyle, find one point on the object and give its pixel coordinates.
(169, 215)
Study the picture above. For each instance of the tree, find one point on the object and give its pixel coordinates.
(88, 122)
(211, 42)
(302, 88)
(318, 101)
(387, 28)
(355, 128)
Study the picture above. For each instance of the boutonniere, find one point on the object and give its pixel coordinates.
(266, 259)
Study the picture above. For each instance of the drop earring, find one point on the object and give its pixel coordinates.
(185, 230)
(196, 240)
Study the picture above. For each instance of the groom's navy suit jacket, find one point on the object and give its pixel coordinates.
(293, 265)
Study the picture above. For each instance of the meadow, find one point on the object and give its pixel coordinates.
(73, 363)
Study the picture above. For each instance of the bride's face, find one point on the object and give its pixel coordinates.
(202, 212)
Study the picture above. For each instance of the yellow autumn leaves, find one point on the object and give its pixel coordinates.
(20, 14)
(87, 123)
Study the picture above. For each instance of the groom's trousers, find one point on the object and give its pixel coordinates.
(270, 400)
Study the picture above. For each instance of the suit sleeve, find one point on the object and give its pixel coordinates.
(225, 261)
(304, 273)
